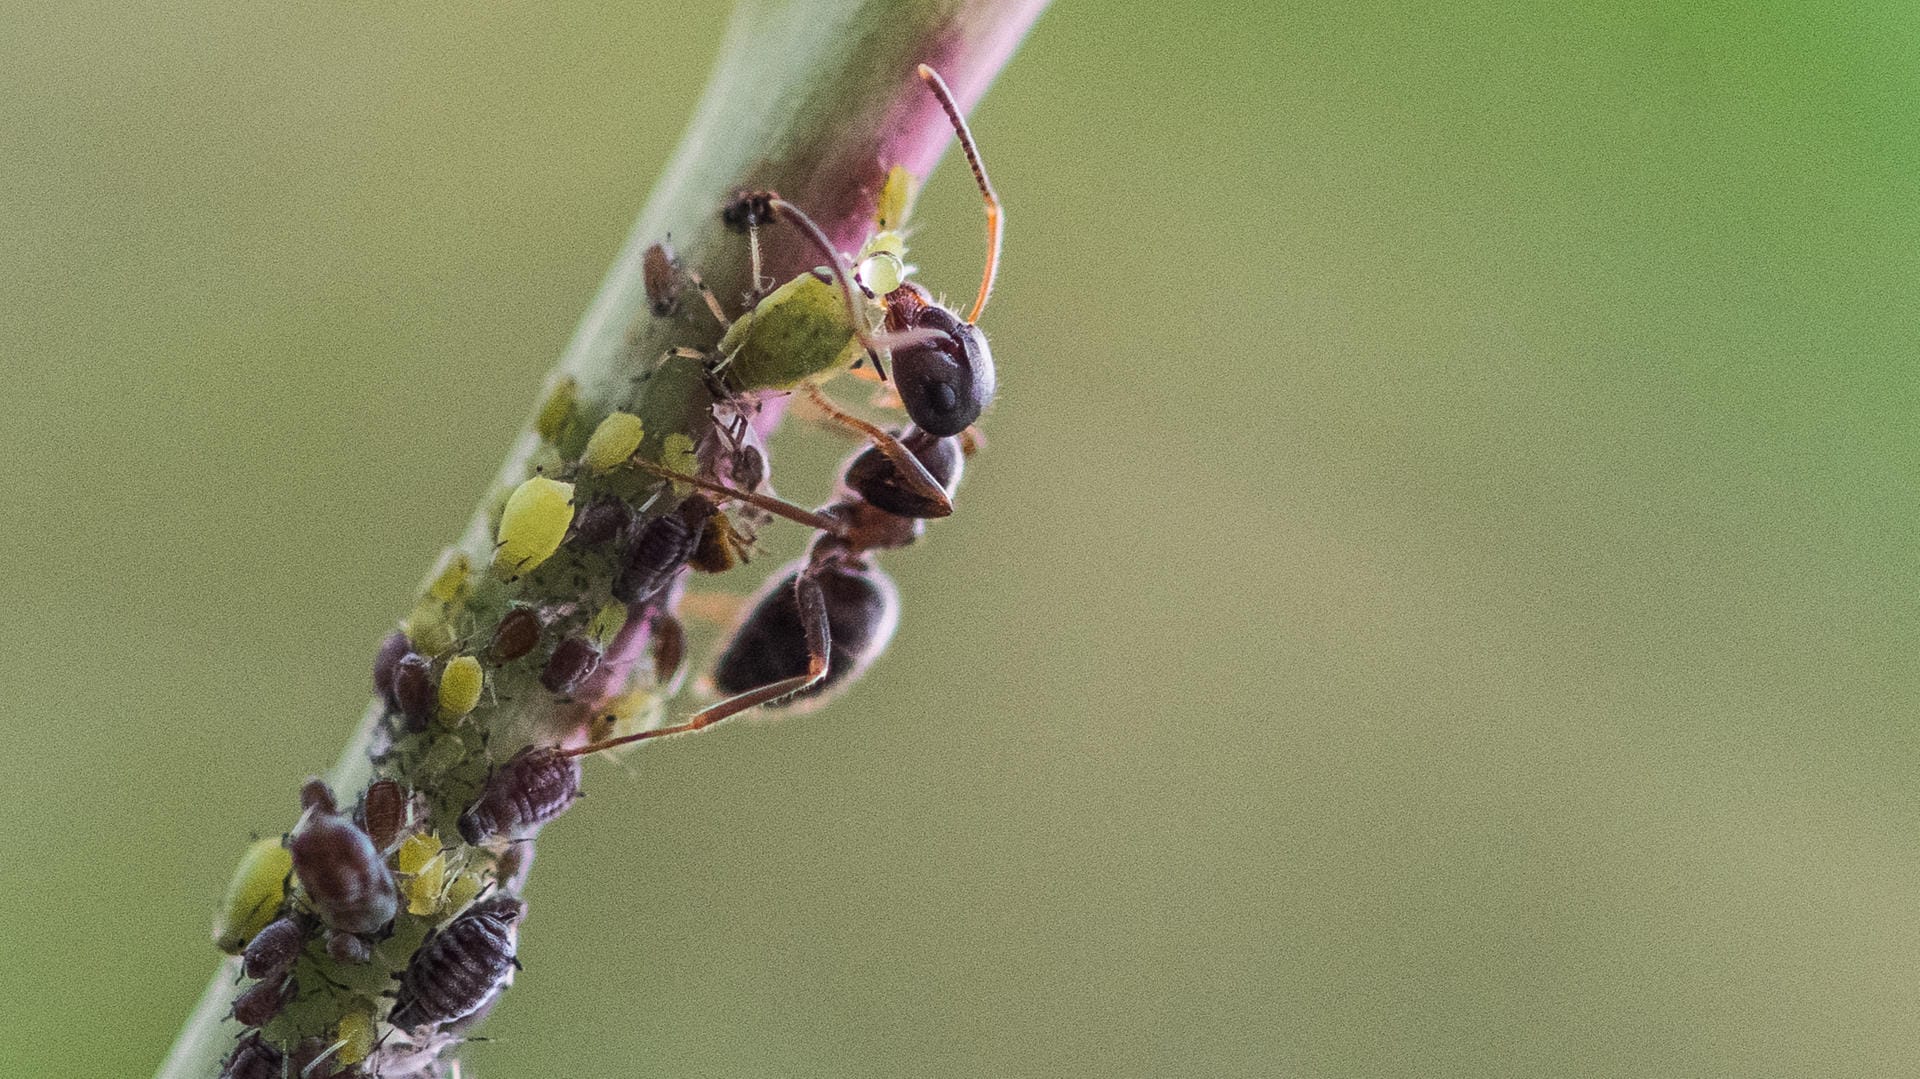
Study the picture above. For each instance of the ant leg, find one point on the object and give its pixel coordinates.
(753, 255)
(912, 472)
(779, 507)
(813, 620)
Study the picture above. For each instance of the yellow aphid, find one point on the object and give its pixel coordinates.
(533, 524)
(557, 410)
(607, 623)
(631, 712)
(428, 627)
(460, 686)
(254, 895)
(418, 849)
(462, 890)
(676, 453)
(355, 1037)
(613, 442)
(424, 887)
(452, 583)
(891, 212)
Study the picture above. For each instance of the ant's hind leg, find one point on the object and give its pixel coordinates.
(912, 473)
(813, 620)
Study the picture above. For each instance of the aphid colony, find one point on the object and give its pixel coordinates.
(373, 936)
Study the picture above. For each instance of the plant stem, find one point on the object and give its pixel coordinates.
(816, 99)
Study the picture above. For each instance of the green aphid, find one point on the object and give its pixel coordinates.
(557, 410)
(613, 442)
(254, 896)
(532, 525)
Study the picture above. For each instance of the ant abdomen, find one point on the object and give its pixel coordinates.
(862, 608)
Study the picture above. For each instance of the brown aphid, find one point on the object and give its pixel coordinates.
(668, 647)
(345, 878)
(415, 691)
(517, 634)
(347, 947)
(572, 662)
(260, 1003)
(660, 549)
(253, 1058)
(660, 273)
(385, 662)
(384, 813)
(602, 521)
(721, 547)
(460, 968)
(315, 794)
(273, 949)
(536, 785)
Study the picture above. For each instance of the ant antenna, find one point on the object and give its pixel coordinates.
(939, 87)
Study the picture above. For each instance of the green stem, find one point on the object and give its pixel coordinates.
(816, 99)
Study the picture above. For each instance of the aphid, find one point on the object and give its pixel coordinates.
(354, 1037)
(517, 634)
(721, 546)
(602, 521)
(257, 1006)
(384, 812)
(611, 443)
(457, 969)
(343, 874)
(660, 549)
(347, 947)
(532, 525)
(667, 645)
(572, 661)
(557, 410)
(315, 794)
(385, 662)
(254, 895)
(414, 691)
(536, 785)
(424, 863)
(273, 949)
(460, 687)
(252, 1058)
(661, 280)
(807, 330)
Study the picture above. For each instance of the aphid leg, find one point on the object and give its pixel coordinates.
(712, 301)
(912, 472)
(753, 255)
(813, 620)
(777, 506)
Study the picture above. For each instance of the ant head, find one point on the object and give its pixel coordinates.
(945, 383)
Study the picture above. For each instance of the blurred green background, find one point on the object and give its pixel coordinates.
(1439, 599)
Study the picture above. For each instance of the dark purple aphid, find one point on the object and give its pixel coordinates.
(385, 662)
(315, 794)
(661, 279)
(660, 550)
(602, 521)
(345, 878)
(862, 610)
(347, 947)
(259, 1004)
(573, 660)
(384, 812)
(536, 785)
(253, 1058)
(414, 690)
(876, 479)
(459, 968)
(517, 634)
(273, 949)
(749, 209)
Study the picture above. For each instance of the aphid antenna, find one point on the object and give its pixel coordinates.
(996, 216)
